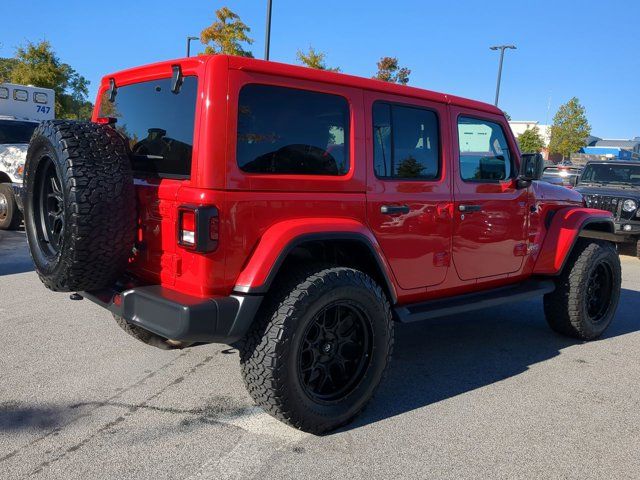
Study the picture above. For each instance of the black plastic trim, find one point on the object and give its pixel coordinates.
(178, 316)
(311, 237)
(113, 90)
(587, 222)
(177, 79)
(474, 301)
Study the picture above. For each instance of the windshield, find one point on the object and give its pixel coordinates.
(12, 131)
(158, 124)
(611, 173)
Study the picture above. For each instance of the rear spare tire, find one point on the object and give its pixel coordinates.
(79, 206)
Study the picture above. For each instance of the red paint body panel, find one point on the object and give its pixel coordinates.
(563, 232)
(427, 253)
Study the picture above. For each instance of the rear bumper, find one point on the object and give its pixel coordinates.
(182, 317)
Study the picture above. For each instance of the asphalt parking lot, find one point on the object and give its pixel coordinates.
(491, 395)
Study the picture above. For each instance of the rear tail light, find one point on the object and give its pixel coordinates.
(188, 228)
(198, 228)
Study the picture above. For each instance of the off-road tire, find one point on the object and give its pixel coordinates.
(11, 219)
(638, 249)
(269, 353)
(566, 309)
(97, 211)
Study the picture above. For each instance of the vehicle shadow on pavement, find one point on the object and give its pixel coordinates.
(17, 416)
(439, 359)
(14, 253)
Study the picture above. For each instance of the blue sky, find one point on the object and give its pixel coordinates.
(587, 49)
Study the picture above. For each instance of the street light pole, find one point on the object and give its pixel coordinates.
(502, 48)
(189, 44)
(267, 39)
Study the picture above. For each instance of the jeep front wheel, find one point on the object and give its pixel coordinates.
(587, 292)
(318, 351)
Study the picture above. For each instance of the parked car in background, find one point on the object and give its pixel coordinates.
(565, 175)
(22, 107)
(615, 186)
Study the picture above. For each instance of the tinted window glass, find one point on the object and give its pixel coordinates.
(603, 173)
(16, 132)
(158, 123)
(405, 142)
(484, 152)
(283, 130)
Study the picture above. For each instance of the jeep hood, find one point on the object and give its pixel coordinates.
(545, 191)
(610, 190)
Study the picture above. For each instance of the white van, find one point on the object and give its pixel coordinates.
(22, 107)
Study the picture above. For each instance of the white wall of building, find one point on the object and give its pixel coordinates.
(520, 126)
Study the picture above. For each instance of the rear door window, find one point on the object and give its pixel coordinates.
(158, 124)
(289, 131)
(405, 144)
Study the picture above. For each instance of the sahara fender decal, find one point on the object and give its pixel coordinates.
(565, 228)
(281, 238)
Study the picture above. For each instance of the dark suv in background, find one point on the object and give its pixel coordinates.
(615, 186)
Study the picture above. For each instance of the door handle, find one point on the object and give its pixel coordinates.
(394, 209)
(469, 208)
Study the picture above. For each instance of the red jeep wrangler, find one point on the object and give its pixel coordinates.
(298, 214)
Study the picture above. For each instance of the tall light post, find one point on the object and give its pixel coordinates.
(189, 44)
(502, 48)
(267, 40)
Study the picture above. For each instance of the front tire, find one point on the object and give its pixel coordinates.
(318, 351)
(587, 292)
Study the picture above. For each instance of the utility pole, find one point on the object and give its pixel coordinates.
(267, 39)
(189, 44)
(502, 48)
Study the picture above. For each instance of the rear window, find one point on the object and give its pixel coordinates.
(158, 124)
(288, 131)
(16, 132)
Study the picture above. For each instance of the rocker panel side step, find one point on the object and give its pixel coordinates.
(474, 301)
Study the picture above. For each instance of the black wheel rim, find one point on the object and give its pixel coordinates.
(48, 205)
(335, 352)
(599, 292)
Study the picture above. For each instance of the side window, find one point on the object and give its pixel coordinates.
(289, 131)
(405, 142)
(484, 152)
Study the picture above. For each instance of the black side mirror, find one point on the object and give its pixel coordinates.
(531, 167)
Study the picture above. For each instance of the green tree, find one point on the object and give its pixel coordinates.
(314, 59)
(226, 35)
(570, 129)
(37, 64)
(390, 71)
(530, 141)
(409, 168)
(6, 67)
